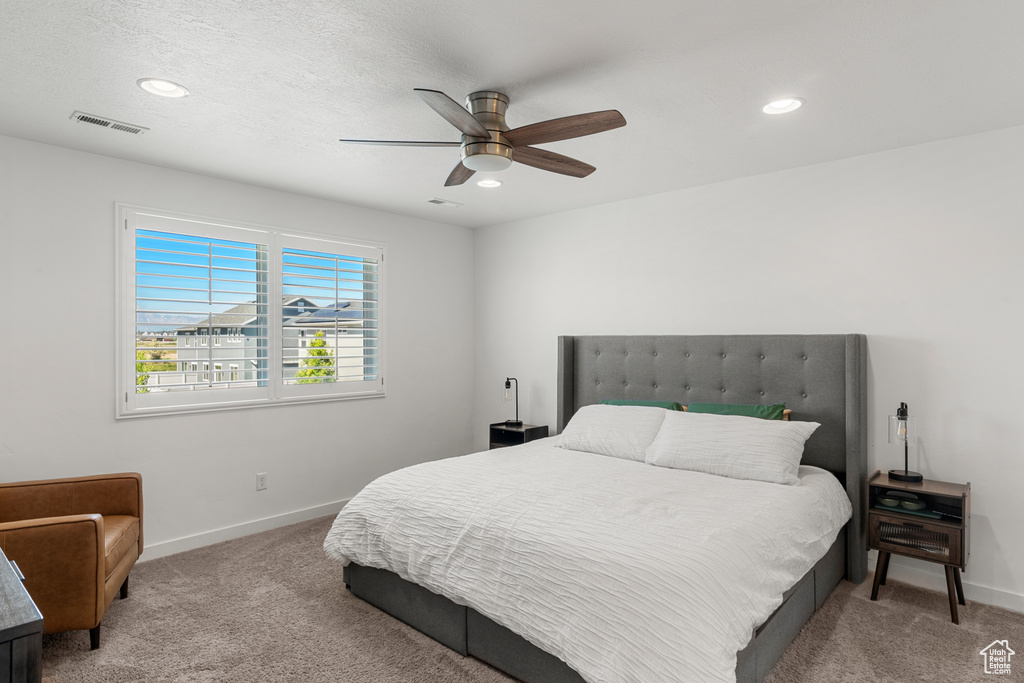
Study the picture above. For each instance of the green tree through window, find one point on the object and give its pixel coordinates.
(141, 372)
(318, 366)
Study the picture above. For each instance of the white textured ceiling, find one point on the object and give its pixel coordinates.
(275, 83)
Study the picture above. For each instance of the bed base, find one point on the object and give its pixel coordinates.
(468, 632)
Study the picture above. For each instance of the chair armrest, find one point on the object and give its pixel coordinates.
(105, 494)
(63, 560)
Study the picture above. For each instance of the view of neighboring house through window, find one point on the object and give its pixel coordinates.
(333, 299)
(198, 297)
(188, 287)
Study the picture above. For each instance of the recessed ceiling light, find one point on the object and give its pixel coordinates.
(490, 182)
(783, 106)
(158, 86)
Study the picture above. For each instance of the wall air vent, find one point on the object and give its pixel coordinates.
(82, 117)
(444, 202)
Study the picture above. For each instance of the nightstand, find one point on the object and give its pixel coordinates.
(502, 435)
(940, 532)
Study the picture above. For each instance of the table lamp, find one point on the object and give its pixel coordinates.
(508, 397)
(903, 428)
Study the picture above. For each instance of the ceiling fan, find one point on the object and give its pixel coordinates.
(489, 145)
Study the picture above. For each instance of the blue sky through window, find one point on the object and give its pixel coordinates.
(182, 280)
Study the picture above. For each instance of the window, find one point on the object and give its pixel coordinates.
(333, 296)
(184, 281)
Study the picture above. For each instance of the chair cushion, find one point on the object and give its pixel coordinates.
(120, 534)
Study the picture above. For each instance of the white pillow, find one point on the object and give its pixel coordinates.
(731, 446)
(618, 431)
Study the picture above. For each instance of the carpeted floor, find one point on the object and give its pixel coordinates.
(906, 635)
(272, 607)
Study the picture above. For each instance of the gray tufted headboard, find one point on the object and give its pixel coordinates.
(821, 377)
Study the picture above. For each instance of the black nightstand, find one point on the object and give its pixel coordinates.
(502, 435)
(940, 532)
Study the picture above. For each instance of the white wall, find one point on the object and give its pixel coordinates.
(921, 248)
(57, 359)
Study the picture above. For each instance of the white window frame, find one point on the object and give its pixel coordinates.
(130, 403)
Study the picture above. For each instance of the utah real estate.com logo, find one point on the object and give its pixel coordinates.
(997, 657)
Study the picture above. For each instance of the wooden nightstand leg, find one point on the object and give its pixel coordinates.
(951, 590)
(883, 559)
(885, 568)
(959, 586)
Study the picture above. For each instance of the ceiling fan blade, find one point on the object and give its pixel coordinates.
(550, 161)
(459, 175)
(453, 112)
(402, 143)
(565, 128)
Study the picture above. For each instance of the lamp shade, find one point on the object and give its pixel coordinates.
(487, 163)
(902, 429)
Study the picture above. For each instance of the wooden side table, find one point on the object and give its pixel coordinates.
(940, 532)
(21, 629)
(502, 435)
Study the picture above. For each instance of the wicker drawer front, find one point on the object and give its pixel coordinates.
(927, 541)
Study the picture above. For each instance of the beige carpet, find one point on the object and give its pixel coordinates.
(906, 635)
(272, 607)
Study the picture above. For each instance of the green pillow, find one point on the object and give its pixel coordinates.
(773, 412)
(667, 405)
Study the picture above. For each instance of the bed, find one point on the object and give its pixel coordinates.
(820, 377)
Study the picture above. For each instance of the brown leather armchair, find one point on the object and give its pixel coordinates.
(75, 540)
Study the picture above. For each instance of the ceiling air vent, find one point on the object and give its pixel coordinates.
(443, 202)
(82, 117)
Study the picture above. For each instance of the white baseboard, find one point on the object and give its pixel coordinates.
(919, 575)
(177, 545)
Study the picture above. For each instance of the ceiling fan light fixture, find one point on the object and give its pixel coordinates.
(161, 87)
(783, 106)
(487, 163)
(489, 182)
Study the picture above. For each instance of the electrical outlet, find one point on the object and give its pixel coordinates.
(261, 481)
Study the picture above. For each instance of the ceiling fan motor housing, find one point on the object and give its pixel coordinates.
(481, 154)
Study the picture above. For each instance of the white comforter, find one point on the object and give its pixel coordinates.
(626, 571)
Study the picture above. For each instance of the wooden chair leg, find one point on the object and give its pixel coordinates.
(951, 590)
(959, 586)
(124, 589)
(94, 638)
(883, 558)
(885, 568)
